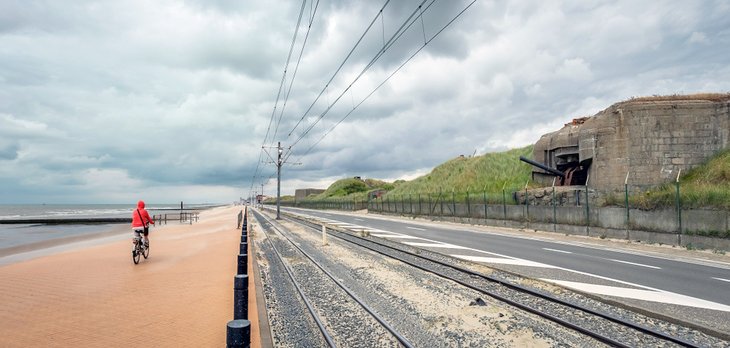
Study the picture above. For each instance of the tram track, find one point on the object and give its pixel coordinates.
(330, 312)
(604, 327)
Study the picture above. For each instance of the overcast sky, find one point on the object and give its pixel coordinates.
(114, 101)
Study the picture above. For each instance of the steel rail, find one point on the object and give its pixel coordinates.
(518, 288)
(401, 339)
(325, 334)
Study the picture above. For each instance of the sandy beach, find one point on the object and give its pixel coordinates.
(91, 294)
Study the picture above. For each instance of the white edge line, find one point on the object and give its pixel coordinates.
(558, 251)
(563, 269)
(635, 264)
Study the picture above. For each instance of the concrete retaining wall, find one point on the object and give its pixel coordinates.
(658, 226)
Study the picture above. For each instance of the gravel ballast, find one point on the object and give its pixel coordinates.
(427, 309)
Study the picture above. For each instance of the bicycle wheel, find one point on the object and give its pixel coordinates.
(146, 251)
(136, 254)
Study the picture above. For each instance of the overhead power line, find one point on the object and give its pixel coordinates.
(380, 13)
(283, 78)
(404, 27)
(393, 39)
(296, 68)
(286, 67)
(426, 42)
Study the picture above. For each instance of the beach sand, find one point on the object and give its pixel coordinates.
(91, 294)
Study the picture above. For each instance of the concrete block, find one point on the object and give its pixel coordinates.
(655, 220)
(477, 211)
(572, 229)
(541, 214)
(654, 237)
(461, 209)
(704, 220)
(540, 226)
(516, 212)
(571, 215)
(702, 242)
(612, 233)
(611, 217)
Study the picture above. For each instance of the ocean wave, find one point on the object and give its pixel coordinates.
(10, 212)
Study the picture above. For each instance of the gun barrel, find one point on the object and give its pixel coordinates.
(543, 167)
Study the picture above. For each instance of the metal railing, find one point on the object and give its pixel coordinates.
(181, 217)
(602, 213)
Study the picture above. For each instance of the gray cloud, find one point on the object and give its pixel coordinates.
(104, 101)
(9, 152)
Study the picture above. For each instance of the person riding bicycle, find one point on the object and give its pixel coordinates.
(140, 222)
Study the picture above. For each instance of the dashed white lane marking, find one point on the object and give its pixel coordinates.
(643, 293)
(504, 261)
(558, 251)
(395, 236)
(356, 219)
(416, 228)
(635, 264)
(640, 294)
(722, 279)
(436, 245)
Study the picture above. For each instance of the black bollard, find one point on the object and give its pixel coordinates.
(242, 264)
(244, 248)
(238, 334)
(240, 297)
(244, 238)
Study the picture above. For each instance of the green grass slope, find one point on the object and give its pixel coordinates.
(489, 172)
(705, 186)
(344, 187)
(352, 188)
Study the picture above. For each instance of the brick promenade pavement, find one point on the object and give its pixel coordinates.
(182, 296)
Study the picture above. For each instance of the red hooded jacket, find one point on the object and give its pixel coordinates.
(136, 221)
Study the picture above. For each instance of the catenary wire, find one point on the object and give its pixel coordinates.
(380, 13)
(386, 79)
(286, 67)
(291, 48)
(296, 68)
(404, 27)
(323, 90)
(394, 38)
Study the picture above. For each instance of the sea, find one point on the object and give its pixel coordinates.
(13, 235)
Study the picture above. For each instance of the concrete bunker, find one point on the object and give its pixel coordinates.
(561, 156)
(641, 142)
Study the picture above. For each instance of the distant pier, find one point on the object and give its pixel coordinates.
(59, 221)
(182, 215)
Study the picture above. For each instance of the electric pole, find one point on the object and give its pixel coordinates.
(278, 183)
(279, 161)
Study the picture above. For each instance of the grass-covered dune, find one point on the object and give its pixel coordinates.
(705, 186)
(490, 172)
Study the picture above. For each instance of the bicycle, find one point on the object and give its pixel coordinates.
(140, 249)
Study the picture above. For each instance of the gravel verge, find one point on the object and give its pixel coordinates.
(429, 310)
(290, 323)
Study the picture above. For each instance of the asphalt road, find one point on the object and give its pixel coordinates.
(705, 281)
